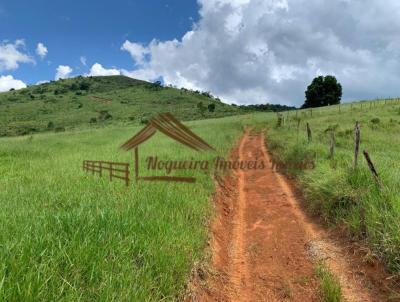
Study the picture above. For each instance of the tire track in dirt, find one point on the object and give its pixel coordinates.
(257, 246)
(263, 247)
(321, 248)
(239, 275)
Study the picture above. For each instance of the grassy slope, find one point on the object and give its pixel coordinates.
(67, 106)
(336, 191)
(66, 235)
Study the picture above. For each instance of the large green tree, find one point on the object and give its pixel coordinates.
(323, 91)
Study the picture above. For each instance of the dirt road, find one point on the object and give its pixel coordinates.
(263, 246)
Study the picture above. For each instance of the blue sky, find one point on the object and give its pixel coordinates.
(92, 29)
(243, 51)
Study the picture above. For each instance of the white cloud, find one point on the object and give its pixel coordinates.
(7, 82)
(83, 60)
(137, 51)
(11, 55)
(41, 50)
(42, 82)
(142, 74)
(269, 50)
(63, 72)
(98, 70)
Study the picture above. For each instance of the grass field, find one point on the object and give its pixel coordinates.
(340, 194)
(67, 235)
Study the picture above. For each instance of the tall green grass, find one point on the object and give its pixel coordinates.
(340, 194)
(329, 284)
(67, 235)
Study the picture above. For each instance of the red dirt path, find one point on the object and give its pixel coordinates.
(264, 248)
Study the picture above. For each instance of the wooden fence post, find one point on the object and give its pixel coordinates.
(356, 143)
(332, 144)
(309, 135)
(101, 168)
(372, 169)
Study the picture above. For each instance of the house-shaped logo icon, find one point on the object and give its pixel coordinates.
(167, 124)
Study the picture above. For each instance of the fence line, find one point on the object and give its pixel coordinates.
(121, 169)
(339, 108)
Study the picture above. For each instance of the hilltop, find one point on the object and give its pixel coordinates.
(97, 101)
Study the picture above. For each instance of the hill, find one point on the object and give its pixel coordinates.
(97, 101)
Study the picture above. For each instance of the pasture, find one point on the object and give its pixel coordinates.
(68, 235)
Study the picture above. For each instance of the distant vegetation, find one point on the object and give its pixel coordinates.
(323, 91)
(266, 107)
(97, 101)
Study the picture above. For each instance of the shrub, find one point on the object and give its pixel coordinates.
(84, 86)
(211, 107)
(57, 91)
(375, 121)
(26, 130)
(50, 125)
(156, 86)
(144, 120)
(40, 89)
(104, 115)
(74, 87)
(207, 94)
